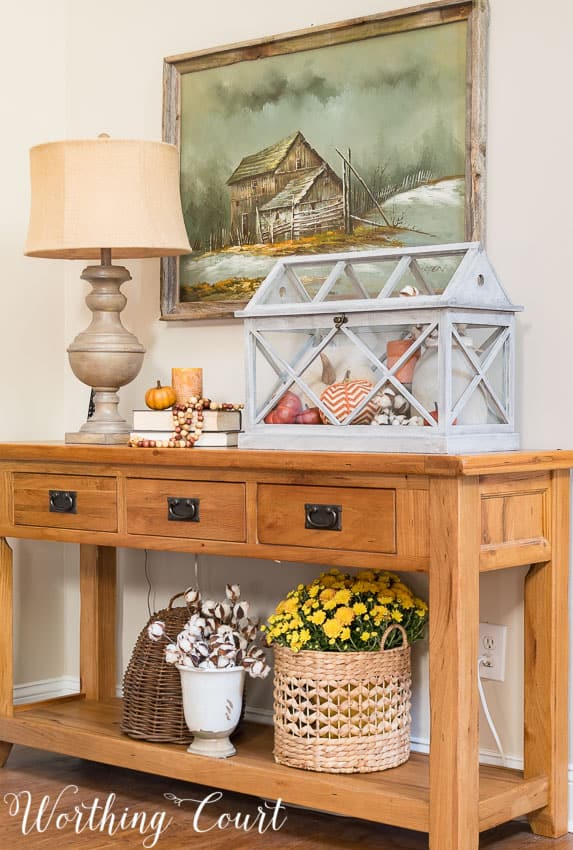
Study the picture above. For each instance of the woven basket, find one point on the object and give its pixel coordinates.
(152, 700)
(343, 712)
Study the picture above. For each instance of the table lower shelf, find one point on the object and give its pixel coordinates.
(398, 797)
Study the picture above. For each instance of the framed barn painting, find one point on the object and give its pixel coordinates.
(355, 135)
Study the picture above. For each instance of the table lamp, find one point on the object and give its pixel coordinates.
(103, 199)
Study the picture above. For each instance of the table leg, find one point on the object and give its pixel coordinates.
(6, 641)
(98, 667)
(546, 665)
(455, 530)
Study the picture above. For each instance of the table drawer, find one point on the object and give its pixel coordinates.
(204, 509)
(85, 502)
(354, 518)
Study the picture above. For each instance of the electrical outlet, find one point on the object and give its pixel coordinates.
(492, 640)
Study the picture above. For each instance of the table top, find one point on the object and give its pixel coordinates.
(493, 463)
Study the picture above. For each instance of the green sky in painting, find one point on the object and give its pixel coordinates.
(397, 101)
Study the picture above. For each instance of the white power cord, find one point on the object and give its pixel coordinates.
(491, 724)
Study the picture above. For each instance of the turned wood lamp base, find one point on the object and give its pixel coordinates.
(106, 356)
(92, 199)
(86, 438)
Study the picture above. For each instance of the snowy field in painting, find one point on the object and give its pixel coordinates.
(434, 212)
(429, 214)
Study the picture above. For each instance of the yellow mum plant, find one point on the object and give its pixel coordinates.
(339, 612)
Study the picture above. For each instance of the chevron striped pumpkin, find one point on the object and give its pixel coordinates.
(344, 396)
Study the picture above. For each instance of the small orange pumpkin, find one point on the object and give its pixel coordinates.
(160, 398)
(343, 397)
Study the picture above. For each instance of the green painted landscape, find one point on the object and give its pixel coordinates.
(346, 147)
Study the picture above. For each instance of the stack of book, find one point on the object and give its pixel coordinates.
(220, 427)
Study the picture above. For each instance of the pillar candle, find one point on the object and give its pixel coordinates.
(187, 383)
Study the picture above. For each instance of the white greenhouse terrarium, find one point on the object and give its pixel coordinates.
(395, 350)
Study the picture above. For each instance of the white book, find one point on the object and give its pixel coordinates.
(218, 438)
(206, 440)
(162, 420)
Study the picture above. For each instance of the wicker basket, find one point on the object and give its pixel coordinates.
(152, 700)
(343, 712)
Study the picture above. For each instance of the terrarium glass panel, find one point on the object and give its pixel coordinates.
(480, 374)
(359, 277)
(437, 272)
(279, 356)
(341, 375)
(330, 282)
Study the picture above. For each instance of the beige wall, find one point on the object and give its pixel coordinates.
(33, 81)
(528, 220)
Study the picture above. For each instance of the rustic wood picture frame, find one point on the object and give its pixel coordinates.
(475, 12)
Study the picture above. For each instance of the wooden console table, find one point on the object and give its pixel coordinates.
(449, 516)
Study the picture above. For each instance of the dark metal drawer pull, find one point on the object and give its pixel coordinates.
(182, 510)
(323, 517)
(63, 502)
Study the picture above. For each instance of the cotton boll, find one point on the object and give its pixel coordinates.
(409, 291)
(233, 592)
(156, 630)
(172, 654)
(241, 611)
(192, 596)
(219, 611)
(257, 669)
(208, 608)
(184, 642)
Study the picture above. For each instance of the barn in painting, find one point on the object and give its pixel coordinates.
(283, 192)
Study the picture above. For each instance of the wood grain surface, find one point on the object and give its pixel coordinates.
(215, 458)
(399, 797)
(546, 619)
(47, 774)
(96, 501)
(98, 667)
(6, 645)
(368, 517)
(221, 508)
(453, 516)
(454, 603)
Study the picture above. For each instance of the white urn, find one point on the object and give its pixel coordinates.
(212, 704)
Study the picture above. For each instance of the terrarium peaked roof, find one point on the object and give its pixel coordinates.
(263, 161)
(472, 285)
(475, 272)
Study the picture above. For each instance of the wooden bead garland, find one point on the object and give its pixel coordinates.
(188, 420)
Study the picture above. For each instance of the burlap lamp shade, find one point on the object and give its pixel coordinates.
(89, 194)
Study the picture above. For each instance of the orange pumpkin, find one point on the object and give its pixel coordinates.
(160, 398)
(285, 411)
(309, 416)
(344, 397)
